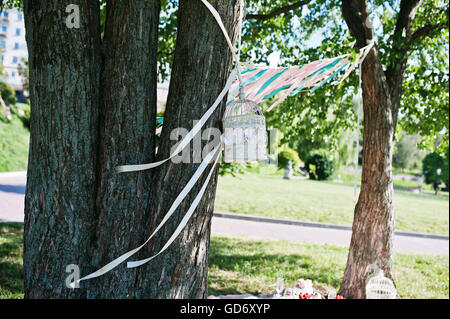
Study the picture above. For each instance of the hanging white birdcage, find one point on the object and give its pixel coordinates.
(245, 132)
(380, 287)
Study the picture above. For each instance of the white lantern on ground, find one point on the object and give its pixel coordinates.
(245, 132)
(379, 287)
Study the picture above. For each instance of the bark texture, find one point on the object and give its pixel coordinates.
(373, 224)
(201, 66)
(61, 180)
(93, 105)
(126, 136)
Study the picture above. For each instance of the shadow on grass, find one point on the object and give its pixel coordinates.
(11, 264)
(11, 278)
(238, 267)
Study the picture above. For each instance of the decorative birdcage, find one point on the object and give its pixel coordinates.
(379, 287)
(245, 132)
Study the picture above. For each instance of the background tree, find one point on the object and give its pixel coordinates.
(23, 71)
(373, 223)
(407, 155)
(409, 56)
(430, 165)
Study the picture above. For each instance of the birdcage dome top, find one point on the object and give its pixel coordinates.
(242, 107)
(243, 114)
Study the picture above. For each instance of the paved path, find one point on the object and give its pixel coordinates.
(12, 190)
(336, 237)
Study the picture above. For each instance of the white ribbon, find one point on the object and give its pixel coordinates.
(187, 139)
(216, 16)
(184, 221)
(172, 209)
(236, 72)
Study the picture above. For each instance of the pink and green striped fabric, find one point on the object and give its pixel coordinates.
(262, 83)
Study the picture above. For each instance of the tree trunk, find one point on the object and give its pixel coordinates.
(373, 224)
(92, 108)
(126, 136)
(201, 66)
(61, 179)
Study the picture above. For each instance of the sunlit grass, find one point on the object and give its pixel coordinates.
(269, 195)
(14, 140)
(239, 265)
(11, 264)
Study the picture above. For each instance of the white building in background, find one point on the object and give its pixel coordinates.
(13, 46)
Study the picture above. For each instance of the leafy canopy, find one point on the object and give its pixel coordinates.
(315, 29)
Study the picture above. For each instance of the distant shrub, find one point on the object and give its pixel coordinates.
(431, 163)
(22, 111)
(407, 155)
(3, 117)
(232, 169)
(8, 94)
(288, 154)
(26, 117)
(320, 165)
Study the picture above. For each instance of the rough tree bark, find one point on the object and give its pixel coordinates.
(61, 180)
(93, 105)
(373, 224)
(126, 136)
(201, 66)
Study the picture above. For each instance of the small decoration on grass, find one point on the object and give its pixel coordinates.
(304, 290)
(378, 286)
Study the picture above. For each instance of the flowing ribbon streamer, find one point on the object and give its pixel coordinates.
(216, 16)
(184, 221)
(113, 264)
(262, 83)
(361, 57)
(187, 139)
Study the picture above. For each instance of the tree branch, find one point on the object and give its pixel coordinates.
(427, 29)
(398, 55)
(355, 15)
(399, 50)
(405, 17)
(277, 12)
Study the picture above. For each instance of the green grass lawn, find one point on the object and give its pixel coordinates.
(245, 265)
(269, 195)
(11, 265)
(14, 140)
(350, 178)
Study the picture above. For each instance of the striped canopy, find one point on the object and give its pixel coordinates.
(263, 83)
